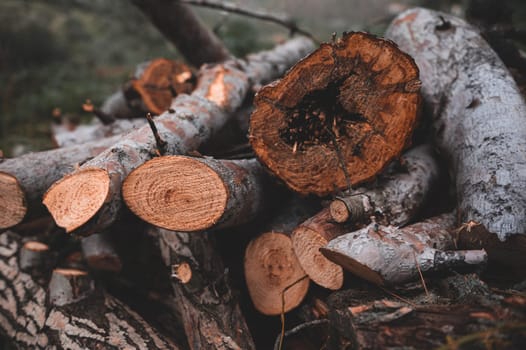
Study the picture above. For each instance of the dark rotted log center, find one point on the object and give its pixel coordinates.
(318, 119)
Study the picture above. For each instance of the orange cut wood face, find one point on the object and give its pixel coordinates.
(161, 81)
(353, 102)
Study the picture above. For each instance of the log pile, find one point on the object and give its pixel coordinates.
(344, 231)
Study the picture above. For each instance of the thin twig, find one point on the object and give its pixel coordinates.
(105, 118)
(282, 335)
(298, 329)
(226, 6)
(161, 144)
(407, 301)
(421, 275)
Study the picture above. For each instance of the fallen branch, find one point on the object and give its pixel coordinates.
(397, 196)
(389, 255)
(282, 20)
(181, 26)
(96, 202)
(191, 194)
(479, 123)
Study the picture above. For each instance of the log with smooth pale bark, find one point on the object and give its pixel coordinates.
(479, 122)
(187, 194)
(97, 321)
(391, 255)
(206, 302)
(352, 104)
(398, 194)
(90, 199)
(308, 238)
(25, 179)
(181, 26)
(65, 135)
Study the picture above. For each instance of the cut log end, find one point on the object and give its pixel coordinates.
(307, 244)
(76, 198)
(184, 194)
(161, 81)
(35, 246)
(12, 201)
(339, 211)
(353, 102)
(270, 267)
(353, 266)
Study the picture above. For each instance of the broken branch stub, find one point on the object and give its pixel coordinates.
(353, 102)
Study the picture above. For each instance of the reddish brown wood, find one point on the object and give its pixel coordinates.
(352, 103)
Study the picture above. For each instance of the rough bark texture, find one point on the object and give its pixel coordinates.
(181, 26)
(209, 308)
(308, 238)
(352, 103)
(190, 194)
(191, 121)
(24, 180)
(70, 135)
(479, 117)
(389, 255)
(397, 196)
(98, 321)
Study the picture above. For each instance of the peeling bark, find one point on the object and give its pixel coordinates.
(479, 120)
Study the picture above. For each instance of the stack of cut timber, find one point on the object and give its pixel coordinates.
(209, 244)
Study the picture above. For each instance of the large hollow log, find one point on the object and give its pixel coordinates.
(208, 306)
(397, 196)
(181, 26)
(479, 122)
(390, 255)
(181, 193)
(24, 180)
(352, 104)
(91, 196)
(95, 321)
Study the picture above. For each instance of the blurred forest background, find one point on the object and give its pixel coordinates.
(55, 54)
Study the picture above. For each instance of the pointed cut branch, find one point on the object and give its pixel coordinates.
(397, 196)
(350, 106)
(308, 238)
(94, 321)
(24, 180)
(390, 255)
(479, 119)
(182, 27)
(192, 194)
(210, 312)
(91, 197)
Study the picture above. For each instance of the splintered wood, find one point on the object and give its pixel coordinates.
(345, 110)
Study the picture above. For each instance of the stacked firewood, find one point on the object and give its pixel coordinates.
(154, 232)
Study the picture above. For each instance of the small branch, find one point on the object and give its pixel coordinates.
(282, 20)
(161, 144)
(105, 118)
(297, 329)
